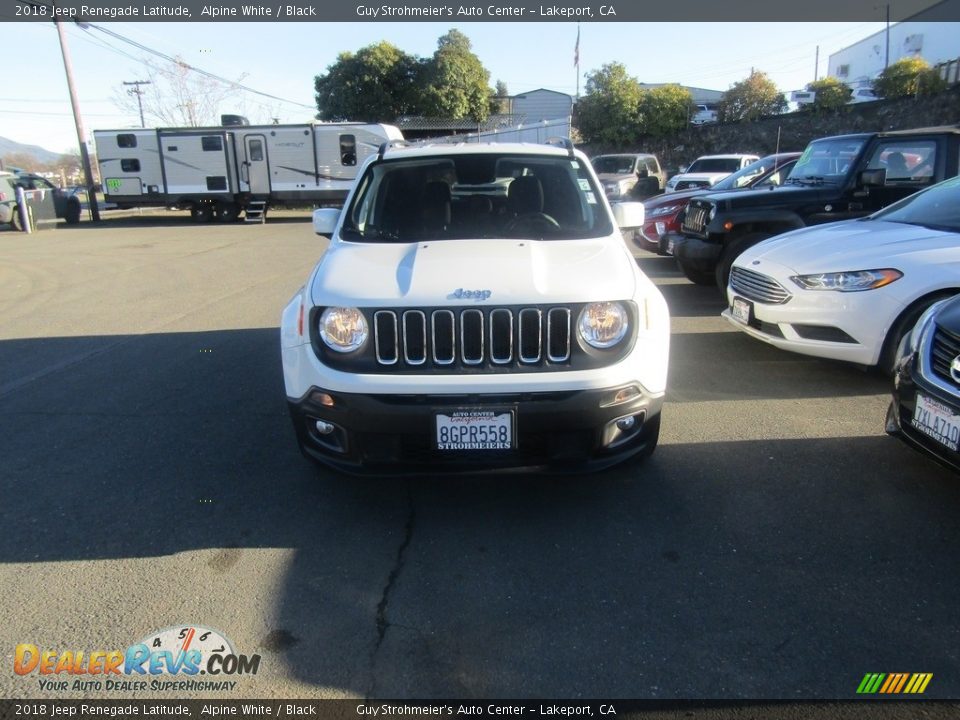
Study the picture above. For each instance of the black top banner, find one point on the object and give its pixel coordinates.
(483, 11)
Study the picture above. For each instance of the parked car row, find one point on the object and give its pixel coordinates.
(66, 203)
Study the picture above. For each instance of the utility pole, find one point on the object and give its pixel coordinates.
(816, 65)
(139, 93)
(886, 62)
(78, 120)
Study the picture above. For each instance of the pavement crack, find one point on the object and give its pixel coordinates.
(383, 624)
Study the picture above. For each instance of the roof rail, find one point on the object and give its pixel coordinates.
(389, 144)
(562, 142)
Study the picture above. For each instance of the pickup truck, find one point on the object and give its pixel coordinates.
(836, 178)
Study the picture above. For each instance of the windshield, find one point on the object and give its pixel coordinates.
(937, 207)
(714, 165)
(826, 161)
(486, 195)
(613, 164)
(748, 175)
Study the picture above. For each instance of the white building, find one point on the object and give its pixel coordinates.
(542, 104)
(935, 42)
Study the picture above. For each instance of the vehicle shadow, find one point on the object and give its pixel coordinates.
(679, 578)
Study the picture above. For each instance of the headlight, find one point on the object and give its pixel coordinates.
(664, 210)
(712, 214)
(603, 324)
(849, 281)
(343, 329)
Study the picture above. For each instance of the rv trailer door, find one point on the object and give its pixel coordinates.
(258, 170)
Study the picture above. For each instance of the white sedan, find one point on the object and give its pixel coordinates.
(851, 290)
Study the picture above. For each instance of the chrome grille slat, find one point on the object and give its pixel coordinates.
(415, 337)
(497, 337)
(944, 348)
(758, 287)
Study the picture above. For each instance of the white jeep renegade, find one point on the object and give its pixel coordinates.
(476, 309)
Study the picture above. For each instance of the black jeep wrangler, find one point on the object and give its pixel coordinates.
(836, 178)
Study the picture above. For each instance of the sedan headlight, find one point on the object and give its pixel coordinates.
(848, 281)
(604, 324)
(664, 210)
(343, 329)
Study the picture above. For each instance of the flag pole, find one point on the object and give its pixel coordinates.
(576, 59)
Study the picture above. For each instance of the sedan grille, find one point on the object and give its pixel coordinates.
(472, 337)
(757, 287)
(945, 347)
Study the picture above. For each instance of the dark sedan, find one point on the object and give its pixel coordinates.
(662, 213)
(925, 410)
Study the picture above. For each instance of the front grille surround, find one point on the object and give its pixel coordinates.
(758, 287)
(466, 340)
(697, 217)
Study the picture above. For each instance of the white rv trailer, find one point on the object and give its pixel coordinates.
(219, 172)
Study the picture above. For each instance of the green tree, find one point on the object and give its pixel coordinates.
(609, 111)
(752, 98)
(499, 99)
(456, 83)
(664, 110)
(377, 84)
(908, 77)
(831, 94)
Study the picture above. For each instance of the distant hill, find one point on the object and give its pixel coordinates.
(42, 155)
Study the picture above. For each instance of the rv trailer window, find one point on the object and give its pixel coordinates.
(256, 150)
(126, 140)
(130, 165)
(211, 143)
(348, 150)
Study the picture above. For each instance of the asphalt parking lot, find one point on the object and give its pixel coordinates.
(778, 545)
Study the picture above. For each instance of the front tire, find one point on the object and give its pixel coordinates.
(72, 214)
(887, 363)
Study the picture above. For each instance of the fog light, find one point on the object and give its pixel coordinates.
(324, 428)
(626, 423)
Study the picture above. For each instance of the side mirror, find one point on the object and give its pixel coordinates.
(873, 178)
(628, 214)
(325, 221)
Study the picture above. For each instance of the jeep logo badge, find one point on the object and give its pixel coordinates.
(461, 294)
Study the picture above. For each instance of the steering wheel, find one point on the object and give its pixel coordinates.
(532, 222)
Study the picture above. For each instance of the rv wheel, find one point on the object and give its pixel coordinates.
(201, 213)
(226, 212)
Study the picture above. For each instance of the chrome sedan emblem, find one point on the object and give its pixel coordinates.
(955, 369)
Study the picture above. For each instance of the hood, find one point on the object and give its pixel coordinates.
(854, 245)
(675, 198)
(428, 274)
(773, 196)
(701, 177)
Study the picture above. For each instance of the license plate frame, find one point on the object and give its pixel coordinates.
(937, 421)
(472, 429)
(742, 310)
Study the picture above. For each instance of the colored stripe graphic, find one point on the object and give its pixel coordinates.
(894, 683)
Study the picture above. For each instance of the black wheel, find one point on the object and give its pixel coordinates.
(201, 212)
(226, 212)
(731, 253)
(887, 363)
(697, 277)
(72, 214)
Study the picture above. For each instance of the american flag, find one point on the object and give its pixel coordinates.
(576, 49)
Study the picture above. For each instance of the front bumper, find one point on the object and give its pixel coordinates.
(911, 380)
(838, 326)
(564, 431)
(695, 254)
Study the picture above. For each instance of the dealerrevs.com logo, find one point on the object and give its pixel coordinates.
(174, 658)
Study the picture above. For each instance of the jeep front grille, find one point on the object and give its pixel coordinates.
(472, 337)
(757, 287)
(695, 219)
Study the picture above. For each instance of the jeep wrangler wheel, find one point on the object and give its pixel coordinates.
(697, 277)
(732, 252)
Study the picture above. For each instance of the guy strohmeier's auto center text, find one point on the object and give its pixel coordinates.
(492, 11)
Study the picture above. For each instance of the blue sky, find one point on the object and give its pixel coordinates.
(282, 58)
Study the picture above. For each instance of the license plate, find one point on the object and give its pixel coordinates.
(475, 430)
(937, 420)
(741, 310)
